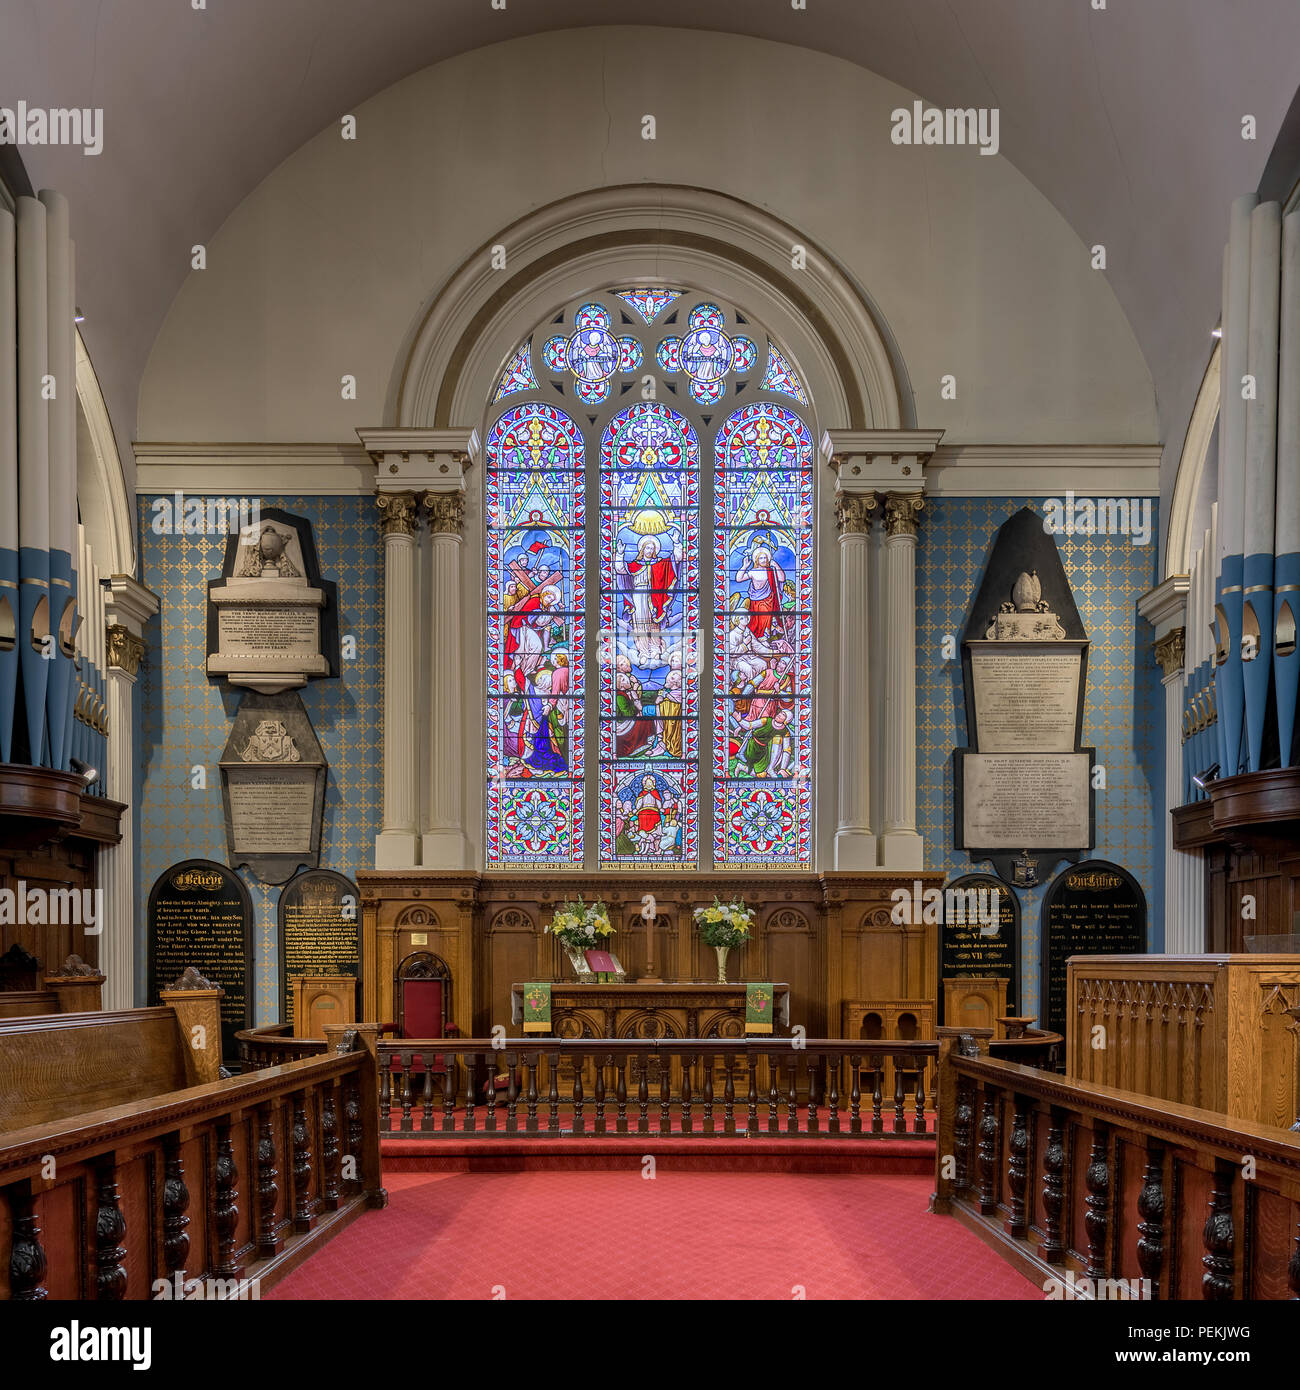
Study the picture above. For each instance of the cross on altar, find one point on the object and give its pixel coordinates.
(649, 911)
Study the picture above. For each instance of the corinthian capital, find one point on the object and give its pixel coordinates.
(1170, 650)
(397, 513)
(446, 511)
(853, 512)
(125, 649)
(901, 513)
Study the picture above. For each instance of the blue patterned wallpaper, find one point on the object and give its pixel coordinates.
(1123, 712)
(185, 719)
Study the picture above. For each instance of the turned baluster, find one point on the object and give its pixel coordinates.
(1052, 1246)
(470, 1060)
(225, 1212)
(176, 1202)
(989, 1129)
(813, 1088)
(26, 1253)
(900, 1101)
(688, 1119)
(553, 1093)
(751, 1119)
(877, 1095)
(620, 1094)
(600, 1094)
(386, 1095)
(919, 1125)
(665, 1094)
(490, 1123)
(406, 1063)
(110, 1232)
(1219, 1237)
(579, 1125)
(448, 1094)
(268, 1190)
(512, 1094)
(1096, 1215)
(329, 1151)
(642, 1096)
(1151, 1210)
(1017, 1224)
(708, 1094)
(773, 1094)
(304, 1209)
(530, 1093)
(426, 1109)
(855, 1094)
(352, 1120)
(728, 1096)
(833, 1095)
(963, 1118)
(792, 1096)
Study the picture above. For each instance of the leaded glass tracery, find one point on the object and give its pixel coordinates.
(649, 782)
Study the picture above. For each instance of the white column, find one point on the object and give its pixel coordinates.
(128, 606)
(901, 847)
(855, 844)
(1184, 873)
(444, 835)
(395, 845)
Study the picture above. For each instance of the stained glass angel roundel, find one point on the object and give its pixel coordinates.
(650, 542)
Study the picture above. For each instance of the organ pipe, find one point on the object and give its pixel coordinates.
(9, 605)
(1286, 570)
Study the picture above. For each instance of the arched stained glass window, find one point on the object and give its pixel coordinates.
(643, 440)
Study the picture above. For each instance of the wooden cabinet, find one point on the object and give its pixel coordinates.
(975, 1003)
(322, 999)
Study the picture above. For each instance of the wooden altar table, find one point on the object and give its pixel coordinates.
(683, 1010)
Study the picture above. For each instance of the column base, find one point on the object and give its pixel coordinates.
(442, 849)
(902, 849)
(395, 849)
(855, 849)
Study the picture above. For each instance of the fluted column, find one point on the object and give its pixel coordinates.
(855, 844)
(901, 847)
(1184, 873)
(128, 605)
(443, 841)
(395, 845)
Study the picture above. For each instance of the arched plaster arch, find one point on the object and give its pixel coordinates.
(640, 234)
(1191, 469)
(102, 496)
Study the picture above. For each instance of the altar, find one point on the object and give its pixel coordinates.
(652, 1010)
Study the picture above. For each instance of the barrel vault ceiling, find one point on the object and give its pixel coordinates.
(1128, 120)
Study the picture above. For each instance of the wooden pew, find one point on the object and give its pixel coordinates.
(210, 1191)
(24, 1003)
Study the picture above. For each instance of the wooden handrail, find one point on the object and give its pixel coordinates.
(1098, 1192)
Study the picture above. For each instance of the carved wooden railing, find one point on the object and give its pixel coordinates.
(1113, 1194)
(273, 1045)
(689, 1087)
(222, 1184)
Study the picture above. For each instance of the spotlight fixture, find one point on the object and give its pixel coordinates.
(89, 775)
(1216, 333)
(78, 316)
(1202, 779)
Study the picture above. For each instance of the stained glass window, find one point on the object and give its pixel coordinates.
(696, 750)
(762, 644)
(536, 545)
(649, 618)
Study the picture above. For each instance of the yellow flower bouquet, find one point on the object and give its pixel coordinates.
(578, 926)
(725, 924)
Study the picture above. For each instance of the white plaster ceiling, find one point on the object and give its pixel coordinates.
(1128, 119)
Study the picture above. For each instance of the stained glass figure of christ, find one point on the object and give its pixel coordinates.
(662, 782)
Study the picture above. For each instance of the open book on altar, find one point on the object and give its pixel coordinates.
(605, 964)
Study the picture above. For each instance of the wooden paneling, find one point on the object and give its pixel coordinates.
(1209, 1031)
(831, 936)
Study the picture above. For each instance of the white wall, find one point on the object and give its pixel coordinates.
(325, 268)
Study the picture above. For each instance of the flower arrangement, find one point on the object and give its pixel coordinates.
(578, 926)
(724, 924)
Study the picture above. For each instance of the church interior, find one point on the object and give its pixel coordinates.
(688, 613)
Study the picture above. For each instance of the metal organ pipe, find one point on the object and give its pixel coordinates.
(9, 605)
(1286, 544)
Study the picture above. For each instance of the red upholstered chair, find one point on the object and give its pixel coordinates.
(422, 989)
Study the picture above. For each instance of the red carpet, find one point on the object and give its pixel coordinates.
(617, 1235)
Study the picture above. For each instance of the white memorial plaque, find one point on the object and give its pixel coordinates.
(272, 810)
(1014, 800)
(1026, 696)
